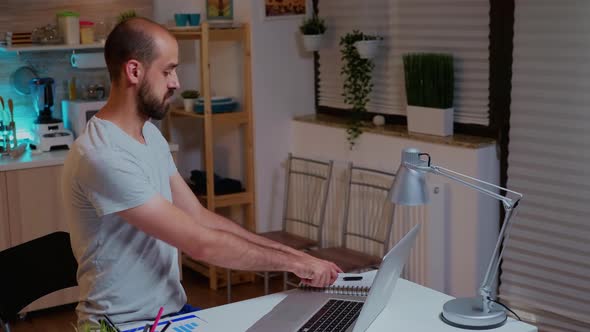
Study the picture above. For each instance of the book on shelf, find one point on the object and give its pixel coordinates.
(346, 284)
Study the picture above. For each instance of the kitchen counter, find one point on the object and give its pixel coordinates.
(30, 160)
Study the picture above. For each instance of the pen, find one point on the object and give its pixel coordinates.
(352, 278)
(146, 328)
(166, 327)
(111, 323)
(157, 319)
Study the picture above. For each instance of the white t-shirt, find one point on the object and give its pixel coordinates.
(123, 272)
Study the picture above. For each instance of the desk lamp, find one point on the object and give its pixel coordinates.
(409, 188)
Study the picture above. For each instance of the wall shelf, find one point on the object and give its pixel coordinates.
(215, 33)
(221, 118)
(48, 48)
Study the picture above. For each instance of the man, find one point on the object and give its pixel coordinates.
(127, 206)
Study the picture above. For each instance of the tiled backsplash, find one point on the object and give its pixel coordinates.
(46, 64)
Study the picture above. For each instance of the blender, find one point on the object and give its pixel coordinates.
(49, 132)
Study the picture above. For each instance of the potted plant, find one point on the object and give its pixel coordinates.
(123, 16)
(429, 80)
(312, 30)
(368, 46)
(103, 327)
(190, 98)
(357, 82)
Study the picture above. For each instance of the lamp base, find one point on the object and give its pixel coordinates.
(467, 313)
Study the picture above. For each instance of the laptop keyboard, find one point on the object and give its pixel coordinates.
(334, 316)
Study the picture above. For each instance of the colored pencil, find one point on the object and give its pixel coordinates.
(157, 319)
(166, 326)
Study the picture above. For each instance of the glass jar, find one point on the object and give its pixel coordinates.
(101, 32)
(86, 32)
(95, 91)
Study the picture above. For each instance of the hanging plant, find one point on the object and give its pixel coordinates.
(369, 46)
(312, 31)
(357, 82)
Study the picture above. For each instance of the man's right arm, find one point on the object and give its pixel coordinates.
(117, 184)
(161, 219)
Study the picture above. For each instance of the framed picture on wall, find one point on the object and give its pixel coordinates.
(278, 9)
(220, 10)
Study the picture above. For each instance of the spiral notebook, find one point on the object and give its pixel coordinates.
(346, 287)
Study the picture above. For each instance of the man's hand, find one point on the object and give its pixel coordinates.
(316, 272)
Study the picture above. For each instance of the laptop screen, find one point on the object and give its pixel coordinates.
(385, 280)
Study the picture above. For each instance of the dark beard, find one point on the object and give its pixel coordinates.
(149, 105)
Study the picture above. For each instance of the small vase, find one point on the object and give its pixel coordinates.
(367, 49)
(189, 104)
(312, 43)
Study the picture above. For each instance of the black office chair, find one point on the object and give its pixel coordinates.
(32, 270)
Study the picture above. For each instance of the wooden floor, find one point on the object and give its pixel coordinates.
(63, 319)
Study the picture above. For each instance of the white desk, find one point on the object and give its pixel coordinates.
(412, 308)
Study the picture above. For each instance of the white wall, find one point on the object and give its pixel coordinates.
(282, 87)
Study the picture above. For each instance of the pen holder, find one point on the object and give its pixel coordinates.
(194, 19)
(181, 19)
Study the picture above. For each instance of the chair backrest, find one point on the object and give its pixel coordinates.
(306, 194)
(368, 213)
(34, 269)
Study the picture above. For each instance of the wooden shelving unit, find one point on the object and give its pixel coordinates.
(241, 118)
(235, 118)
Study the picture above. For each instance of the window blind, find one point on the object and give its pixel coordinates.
(459, 27)
(547, 259)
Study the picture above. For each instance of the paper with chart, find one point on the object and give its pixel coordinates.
(181, 323)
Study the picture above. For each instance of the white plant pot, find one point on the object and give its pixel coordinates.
(189, 104)
(431, 121)
(367, 48)
(312, 43)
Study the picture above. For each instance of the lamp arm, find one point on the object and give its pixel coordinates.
(509, 204)
(506, 201)
(486, 286)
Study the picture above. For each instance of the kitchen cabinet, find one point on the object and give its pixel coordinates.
(34, 198)
(4, 230)
(34, 204)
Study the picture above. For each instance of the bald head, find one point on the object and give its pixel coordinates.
(135, 38)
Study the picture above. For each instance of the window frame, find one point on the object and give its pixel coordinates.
(500, 55)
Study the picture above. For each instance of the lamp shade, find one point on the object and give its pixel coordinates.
(409, 186)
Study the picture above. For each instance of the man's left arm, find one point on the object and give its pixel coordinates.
(183, 198)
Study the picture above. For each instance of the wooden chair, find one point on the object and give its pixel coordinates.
(32, 270)
(306, 194)
(367, 221)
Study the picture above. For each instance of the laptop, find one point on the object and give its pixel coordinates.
(303, 311)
